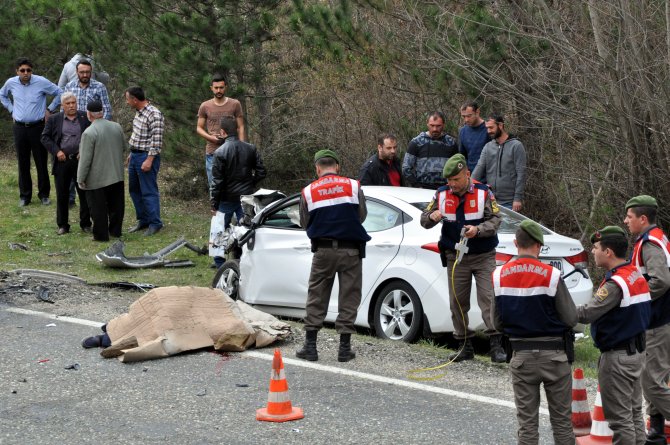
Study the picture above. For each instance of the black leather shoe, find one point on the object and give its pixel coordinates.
(62, 231)
(87, 229)
(92, 342)
(136, 228)
(152, 230)
(45, 201)
(23, 202)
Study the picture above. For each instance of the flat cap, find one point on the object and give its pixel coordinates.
(326, 154)
(642, 201)
(533, 229)
(608, 233)
(94, 106)
(454, 165)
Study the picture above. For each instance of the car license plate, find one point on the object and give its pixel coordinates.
(558, 264)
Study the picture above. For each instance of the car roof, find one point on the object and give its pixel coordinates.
(407, 194)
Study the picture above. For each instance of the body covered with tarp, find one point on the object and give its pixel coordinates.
(170, 320)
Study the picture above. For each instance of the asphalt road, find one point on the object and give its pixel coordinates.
(203, 397)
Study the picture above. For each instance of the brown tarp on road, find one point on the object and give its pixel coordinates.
(170, 320)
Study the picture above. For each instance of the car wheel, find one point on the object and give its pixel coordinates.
(398, 312)
(227, 278)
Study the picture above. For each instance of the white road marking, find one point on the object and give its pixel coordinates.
(316, 366)
(80, 321)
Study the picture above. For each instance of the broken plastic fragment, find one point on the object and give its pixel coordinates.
(74, 366)
(43, 295)
(51, 325)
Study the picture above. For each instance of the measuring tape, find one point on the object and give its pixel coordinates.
(461, 247)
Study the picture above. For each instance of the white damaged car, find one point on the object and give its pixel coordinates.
(405, 288)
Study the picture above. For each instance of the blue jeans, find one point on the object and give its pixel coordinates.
(208, 168)
(143, 189)
(228, 208)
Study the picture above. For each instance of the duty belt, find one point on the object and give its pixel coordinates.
(336, 244)
(538, 345)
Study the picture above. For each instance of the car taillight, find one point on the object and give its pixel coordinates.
(581, 260)
(502, 258)
(432, 247)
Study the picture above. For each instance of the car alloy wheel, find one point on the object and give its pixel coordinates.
(227, 278)
(398, 312)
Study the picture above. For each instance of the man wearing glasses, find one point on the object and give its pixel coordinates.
(28, 109)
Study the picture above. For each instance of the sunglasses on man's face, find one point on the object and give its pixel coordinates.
(25, 70)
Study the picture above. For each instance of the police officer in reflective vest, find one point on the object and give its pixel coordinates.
(619, 313)
(533, 307)
(332, 209)
(465, 205)
(651, 256)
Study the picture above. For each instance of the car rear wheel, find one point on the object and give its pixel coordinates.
(398, 312)
(227, 278)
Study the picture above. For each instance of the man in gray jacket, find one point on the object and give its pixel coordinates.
(101, 173)
(502, 164)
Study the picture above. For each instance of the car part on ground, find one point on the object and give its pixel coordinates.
(114, 256)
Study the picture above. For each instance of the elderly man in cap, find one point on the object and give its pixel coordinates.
(651, 256)
(619, 313)
(469, 213)
(332, 209)
(100, 172)
(533, 307)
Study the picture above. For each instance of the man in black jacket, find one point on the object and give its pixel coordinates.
(61, 137)
(236, 169)
(384, 167)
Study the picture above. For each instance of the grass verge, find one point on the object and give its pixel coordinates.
(74, 253)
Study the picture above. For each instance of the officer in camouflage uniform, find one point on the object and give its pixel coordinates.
(651, 255)
(533, 307)
(467, 204)
(619, 313)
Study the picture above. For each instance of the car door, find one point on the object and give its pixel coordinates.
(274, 269)
(384, 224)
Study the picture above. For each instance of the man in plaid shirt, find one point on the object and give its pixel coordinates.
(144, 161)
(87, 89)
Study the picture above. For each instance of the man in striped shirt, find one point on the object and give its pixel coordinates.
(144, 161)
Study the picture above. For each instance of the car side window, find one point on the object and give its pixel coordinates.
(380, 217)
(286, 218)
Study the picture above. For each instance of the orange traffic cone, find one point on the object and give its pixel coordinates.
(600, 429)
(581, 417)
(279, 408)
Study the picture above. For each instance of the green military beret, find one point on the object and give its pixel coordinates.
(326, 154)
(533, 229)
(609, 232)
(642, 201)
(454, 165)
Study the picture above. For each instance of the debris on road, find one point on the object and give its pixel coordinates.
(114, 256)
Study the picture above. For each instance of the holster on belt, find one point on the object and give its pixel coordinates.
(507, 346)
(641, 341)
(443, 255)
(569, 340)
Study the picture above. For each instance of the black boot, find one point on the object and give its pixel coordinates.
(465, 352)
(656, 434)
(497, 352)
(308, 351)
(345, 353)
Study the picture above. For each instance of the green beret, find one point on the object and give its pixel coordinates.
(533, 229)
(454, 165)
(326, 154)
(642, 201)
(609, 232)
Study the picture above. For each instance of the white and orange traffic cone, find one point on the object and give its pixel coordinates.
(581, 416)
(279, 408)
(600, 429)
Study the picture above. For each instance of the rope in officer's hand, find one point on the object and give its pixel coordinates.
(461, 248)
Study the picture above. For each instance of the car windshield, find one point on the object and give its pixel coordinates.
(510, 221)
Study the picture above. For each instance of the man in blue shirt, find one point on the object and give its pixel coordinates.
(473, 135)
(28, 109)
